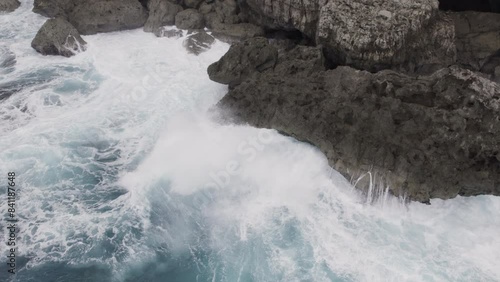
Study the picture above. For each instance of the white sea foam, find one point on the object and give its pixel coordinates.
(115, 151)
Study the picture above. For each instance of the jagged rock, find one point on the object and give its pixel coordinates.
(435, 136)
(58, 37)
(477, 36)
(235, 32)
(106, 16)
(161, 12)
(189, 19)
(242, 60)
(169, 33)
(9, 5)
(199, 42)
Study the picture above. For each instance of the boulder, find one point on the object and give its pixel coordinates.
(435, 136)
(161, 12)
(106, 16)
(58, 37)
(53, 8)
(9, 5)
(198, 42)
(189, 19)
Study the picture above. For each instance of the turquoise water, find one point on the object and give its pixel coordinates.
(124, 175)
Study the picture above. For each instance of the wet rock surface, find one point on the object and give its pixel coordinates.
(435, 136)
(58, 37)
(198, 42)
(9, 5)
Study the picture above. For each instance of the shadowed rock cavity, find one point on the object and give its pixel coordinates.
(470, 5)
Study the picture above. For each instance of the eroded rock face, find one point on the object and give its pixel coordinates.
(9, 5)
(58, 37)
(161, 13)
(425, 137)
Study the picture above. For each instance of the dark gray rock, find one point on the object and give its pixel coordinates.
(189, 19)
(227, 11)
(243, 59)
(206, 8)
(105, 16)
(477, 38)
(58, 37)
(435, 136)
(198, 42)
(53, 8)
(9, 5)
(161, 13)
(369, 35)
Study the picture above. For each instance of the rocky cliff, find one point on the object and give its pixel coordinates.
(424, 137)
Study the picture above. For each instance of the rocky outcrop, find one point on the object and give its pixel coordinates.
(477, 40)
(368, 35)
(94, 16)
(58, 37)
(9, 5)
(161, 13)
(435, 136)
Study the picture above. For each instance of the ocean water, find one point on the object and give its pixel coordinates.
(123, 174)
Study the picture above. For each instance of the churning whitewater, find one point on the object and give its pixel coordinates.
(123, 175)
